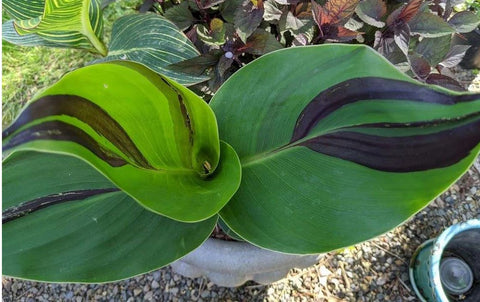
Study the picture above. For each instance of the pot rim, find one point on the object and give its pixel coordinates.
(440, 243)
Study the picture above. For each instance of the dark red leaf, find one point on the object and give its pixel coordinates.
(334, 11)
(444, 81)
(419, 66)
(319, 15)
(345, 34)
(337, 33)
(197, 65)
(410, 10)
(339, 11)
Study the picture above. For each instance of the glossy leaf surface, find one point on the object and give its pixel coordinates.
(63, 221)
(57, 23)
(153, 41)
(335, 152)
(150, 136)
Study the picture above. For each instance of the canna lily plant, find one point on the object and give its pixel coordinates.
(116, 170)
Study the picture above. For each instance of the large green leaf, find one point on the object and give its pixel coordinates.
(337, 146)
(64, 221)
(150, 136)
(61, 23)
(153, 41)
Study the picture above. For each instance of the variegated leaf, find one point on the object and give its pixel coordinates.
(155, 42)
(150, 136)
(61, 23)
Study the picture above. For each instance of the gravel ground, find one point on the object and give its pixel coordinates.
(376, 270)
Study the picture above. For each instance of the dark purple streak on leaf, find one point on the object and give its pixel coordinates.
(31, 206)
(368, 88)
(87, 112)
(400, 153)
(60, 131)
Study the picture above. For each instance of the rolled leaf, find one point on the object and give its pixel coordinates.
(64, 23)
(70, 224)
(153, 41)
(150, 136)
(335, 152)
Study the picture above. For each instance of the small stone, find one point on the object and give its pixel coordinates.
(324, 271)
(210, 284)
(155, 284)
(137, 291)
(381, 281)
(205, 294)
(148, 296)
(322, 281)
(69, 295)
(174, 290)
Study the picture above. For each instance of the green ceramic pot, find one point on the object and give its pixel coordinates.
(448, 268)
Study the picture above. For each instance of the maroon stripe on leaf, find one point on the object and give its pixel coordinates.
(368, 88)
(85, 111)
(400, 154)
(55, 130)
(44, 202)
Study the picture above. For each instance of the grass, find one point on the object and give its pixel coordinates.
(27, 70)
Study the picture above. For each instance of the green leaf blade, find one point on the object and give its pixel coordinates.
(152, 137)
(315, 214)
(105, 237)
(307, 186)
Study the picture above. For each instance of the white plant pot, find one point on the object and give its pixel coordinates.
(232, 263)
